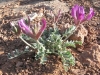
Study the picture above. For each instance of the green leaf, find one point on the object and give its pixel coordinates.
(67, 59)
(70, 44)
(78, 42)
(69, 31)
(43, 59)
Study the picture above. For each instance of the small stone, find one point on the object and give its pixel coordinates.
(26, 70)
(78, 63)
(5, 74)
(19, 64)
(1, 52)
(75, 71)
(1, 72)
(96, 3)
(5, 38)
(79, 34)
(19, 74)
(23, 71)
(78, 71)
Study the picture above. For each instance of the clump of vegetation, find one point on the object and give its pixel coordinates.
(49, 41)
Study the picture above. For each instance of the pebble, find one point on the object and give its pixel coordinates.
(19, 74)
(19, 64)
(1, 72)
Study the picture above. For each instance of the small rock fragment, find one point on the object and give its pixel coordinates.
(1, 72)
(79, 34)
(19, 64)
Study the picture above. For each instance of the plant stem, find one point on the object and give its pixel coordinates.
(26, 42)
(54, 26)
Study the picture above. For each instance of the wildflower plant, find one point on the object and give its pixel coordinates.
(50, 41)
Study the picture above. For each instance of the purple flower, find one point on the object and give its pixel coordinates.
(78, 14)
(90, 15)
(41, 29)
(25, 28)
(28, 31)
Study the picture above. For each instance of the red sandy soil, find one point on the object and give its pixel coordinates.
(87, 57)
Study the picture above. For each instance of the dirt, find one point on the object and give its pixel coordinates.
(87, 56)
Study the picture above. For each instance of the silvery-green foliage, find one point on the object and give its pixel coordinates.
(51, 42)
(17, 52)
(67, 58)
(69, 32)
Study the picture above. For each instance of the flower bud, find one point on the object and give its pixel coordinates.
(43, 21)
(15, 27)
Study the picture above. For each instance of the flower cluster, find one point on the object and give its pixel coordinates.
(78, 14)
(34, 31)
(51, 40)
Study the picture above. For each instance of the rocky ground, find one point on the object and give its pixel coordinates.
(87, 56)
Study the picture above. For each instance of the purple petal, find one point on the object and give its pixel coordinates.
(90, 15)
(43, 25)
(42, 28)
(74, 10)
(80, 13)
(25, 28)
